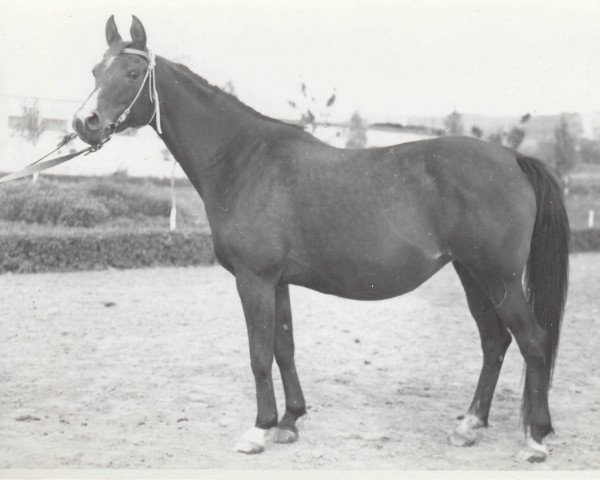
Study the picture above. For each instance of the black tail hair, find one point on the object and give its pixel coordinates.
(546, 278)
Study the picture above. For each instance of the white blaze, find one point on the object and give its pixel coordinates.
(90, 106)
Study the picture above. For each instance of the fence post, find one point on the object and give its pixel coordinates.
(173, 216)
(591, 219)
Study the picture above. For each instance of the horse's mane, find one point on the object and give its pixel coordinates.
(206, 87)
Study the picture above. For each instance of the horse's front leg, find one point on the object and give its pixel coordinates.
(286, 431)
(258, 301)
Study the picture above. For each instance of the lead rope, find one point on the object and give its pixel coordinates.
(39, 166)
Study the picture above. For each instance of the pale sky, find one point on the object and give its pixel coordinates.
(387, 59)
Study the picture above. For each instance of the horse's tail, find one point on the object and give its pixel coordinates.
(547, 271)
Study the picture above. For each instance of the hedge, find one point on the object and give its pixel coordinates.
(68, 249)
(24, 249)
(587, 240)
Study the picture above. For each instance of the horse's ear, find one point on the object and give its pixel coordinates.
(112, 34)
(138, 34)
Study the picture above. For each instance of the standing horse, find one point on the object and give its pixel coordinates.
(285, 208)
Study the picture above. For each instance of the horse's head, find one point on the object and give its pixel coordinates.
(121, 86)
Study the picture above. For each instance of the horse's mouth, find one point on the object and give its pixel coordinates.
(92, 137)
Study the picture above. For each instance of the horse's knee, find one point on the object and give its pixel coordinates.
(284, 357)
(534, 350)
(261, 368)
(494, 349)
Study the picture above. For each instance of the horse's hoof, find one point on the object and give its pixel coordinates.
(533, 452)
(532, 456)
(464, 433)
(248, 447)
(253, 441)
(462, 439)
(284, 435)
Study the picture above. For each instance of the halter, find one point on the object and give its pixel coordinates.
(39, 166)
(151, 77)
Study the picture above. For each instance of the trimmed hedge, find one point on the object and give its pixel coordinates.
(587, 240)
(68, 249)
(24, 249)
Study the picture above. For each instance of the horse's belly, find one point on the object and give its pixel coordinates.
(365, 279)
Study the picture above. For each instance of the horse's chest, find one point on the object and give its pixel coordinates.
(236, 244)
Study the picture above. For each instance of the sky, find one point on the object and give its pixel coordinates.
(385, 59)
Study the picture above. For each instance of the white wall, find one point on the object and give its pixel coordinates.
(142, 154)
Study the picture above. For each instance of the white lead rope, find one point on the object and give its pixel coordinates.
(40, 166)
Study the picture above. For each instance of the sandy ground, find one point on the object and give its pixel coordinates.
(149, 369)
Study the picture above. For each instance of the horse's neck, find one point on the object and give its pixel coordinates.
(208, 133)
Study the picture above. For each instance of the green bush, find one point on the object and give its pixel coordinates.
(33, 203)
(83, 204)
(131, 200)
(84, 213)
(64, 249)
(45, 207)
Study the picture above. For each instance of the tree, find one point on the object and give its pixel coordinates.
(476, 131)
(31, 126)
(357, 132)
(312, 110)
(229, 88)
(565, 148)
(454, 123)
(589, 151)
(497, 138)
(515, 136)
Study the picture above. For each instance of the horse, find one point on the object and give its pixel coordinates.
(286, 209)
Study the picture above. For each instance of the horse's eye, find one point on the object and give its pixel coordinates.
(134, 74)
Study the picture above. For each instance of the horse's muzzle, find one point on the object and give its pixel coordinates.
(90, 129)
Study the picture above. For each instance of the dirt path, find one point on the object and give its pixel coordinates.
(149, 369)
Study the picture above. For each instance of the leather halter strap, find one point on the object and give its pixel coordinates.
(135, 51)
(150, 76)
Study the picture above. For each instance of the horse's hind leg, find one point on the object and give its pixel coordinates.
(495, 339)
(286, 431)
(516, 314)
(505, 291)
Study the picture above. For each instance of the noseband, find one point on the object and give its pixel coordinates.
(151, 78)
(39, 166)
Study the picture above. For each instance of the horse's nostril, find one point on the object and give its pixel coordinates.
(93, 122)
(77, 124)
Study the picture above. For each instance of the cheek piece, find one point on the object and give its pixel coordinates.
(150, 77)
